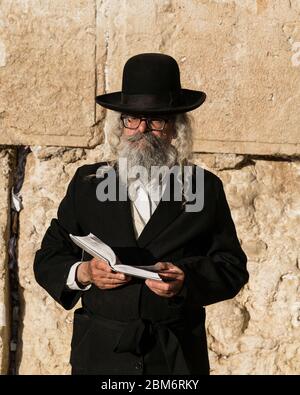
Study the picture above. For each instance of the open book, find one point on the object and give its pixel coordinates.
(98, 249)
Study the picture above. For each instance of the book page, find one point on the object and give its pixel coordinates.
(97, 248)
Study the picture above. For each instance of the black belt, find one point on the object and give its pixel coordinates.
(136, 335)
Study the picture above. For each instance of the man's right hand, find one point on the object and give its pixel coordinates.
(98, 272)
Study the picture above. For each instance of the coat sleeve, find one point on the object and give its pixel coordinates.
(58, 253)
(221, 273)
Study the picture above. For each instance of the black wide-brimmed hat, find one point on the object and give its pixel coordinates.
(151, 85)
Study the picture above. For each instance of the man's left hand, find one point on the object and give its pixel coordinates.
(173, 279)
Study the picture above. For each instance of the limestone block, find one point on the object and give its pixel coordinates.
(6, 165)
(47, 72)
(258, 331)
(46, 332)
(244, 54)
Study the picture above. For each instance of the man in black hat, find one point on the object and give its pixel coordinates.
(129, 325)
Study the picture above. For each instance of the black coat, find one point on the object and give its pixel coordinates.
(115, 327)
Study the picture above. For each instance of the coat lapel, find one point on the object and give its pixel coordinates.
(119, 215)
(164, 215)
(166, 212)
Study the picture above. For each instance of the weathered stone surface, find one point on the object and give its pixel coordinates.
(258, 331)
(47, 72)
(6, 165)
(243, 54)
(47, 326)
(255, 333)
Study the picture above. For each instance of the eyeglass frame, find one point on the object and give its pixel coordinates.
(147, 119)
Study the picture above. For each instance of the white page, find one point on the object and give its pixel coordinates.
(97, 248)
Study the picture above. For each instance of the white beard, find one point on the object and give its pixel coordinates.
(146, 150)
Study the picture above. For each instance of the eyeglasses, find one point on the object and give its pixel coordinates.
(133, 122)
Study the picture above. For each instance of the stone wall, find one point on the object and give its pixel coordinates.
(255, 333)
(48, 171)
(258, 331)
(245, 55)
(48, 72)
(54, 59)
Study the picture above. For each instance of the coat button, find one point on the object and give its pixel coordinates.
(138, 365)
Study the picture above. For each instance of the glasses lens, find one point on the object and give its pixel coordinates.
(157, 124)
(131, 122)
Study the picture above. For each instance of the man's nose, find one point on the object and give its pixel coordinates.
(143, 126)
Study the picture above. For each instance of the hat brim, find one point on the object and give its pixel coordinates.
(190, 101)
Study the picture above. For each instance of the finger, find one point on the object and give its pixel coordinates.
(109, 282)
(122, 275)
(113, 276)
(112, 281)
(117, 275)
(173, 287)
(161, 286)
(170, 275)
(103, 265)
(100, 265)
(161, 266)
(168, 266)
(173, 269)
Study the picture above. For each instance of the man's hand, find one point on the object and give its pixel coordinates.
(173, 280)
(98, 272)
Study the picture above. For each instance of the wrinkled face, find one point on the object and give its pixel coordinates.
(138, 126)
(146, 141)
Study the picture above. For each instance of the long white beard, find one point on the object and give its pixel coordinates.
(147, 150)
